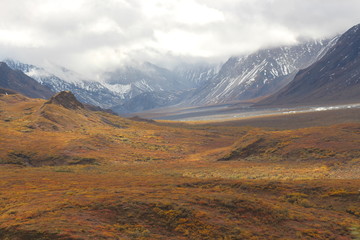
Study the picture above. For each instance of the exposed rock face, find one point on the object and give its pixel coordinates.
(66, 99)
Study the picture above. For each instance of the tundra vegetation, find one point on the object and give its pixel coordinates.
(79, 174)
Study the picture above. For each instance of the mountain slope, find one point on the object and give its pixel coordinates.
(335, 78)
(19, 82)
(259, 74)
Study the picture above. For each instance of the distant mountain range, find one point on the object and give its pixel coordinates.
(307, 73)
(149, 86)
(127, 88)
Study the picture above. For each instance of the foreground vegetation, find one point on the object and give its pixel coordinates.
(77, 174)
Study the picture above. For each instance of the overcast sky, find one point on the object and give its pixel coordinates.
(91, 36)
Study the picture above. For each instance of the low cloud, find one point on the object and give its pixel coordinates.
(93, 36)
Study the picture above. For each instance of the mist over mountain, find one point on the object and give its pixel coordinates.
(323, 69)
(152, 87)
(146, 77)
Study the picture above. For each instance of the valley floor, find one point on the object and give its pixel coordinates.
(197, 200)
(229, 112)
(75, 174)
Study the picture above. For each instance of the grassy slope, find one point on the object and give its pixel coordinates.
(164, 181)
(45, 132)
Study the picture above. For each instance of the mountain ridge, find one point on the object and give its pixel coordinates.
(258, 74)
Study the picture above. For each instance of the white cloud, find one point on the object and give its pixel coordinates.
(19, 38)
(187, 12)
(92, 36)
(181, 42)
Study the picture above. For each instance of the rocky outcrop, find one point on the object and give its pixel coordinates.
(66, 99)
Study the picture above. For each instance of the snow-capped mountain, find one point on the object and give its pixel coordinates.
(259, 74)
(128, 89)
(19, 82)
(89, 92)
(149, 86)
(334, 79)
(141, 78)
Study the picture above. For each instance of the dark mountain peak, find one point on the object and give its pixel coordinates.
(66, 99)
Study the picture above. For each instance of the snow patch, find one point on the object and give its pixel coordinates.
(118, 88)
